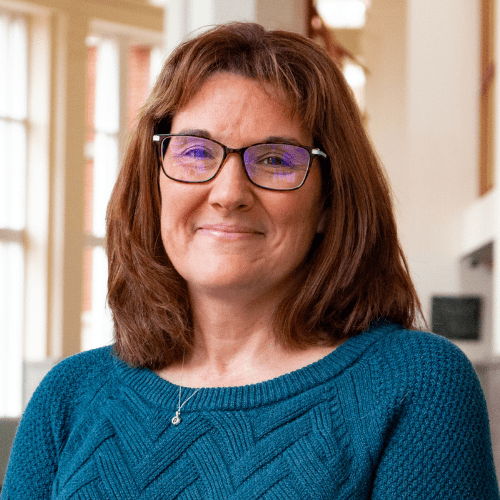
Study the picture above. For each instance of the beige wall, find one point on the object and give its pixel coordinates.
(185, 16)
(423, 111)
(282, 14)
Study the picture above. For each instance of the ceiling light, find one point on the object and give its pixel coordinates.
(343, 13)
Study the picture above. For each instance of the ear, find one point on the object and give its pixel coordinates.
(322, 221)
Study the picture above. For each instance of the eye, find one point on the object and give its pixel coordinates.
(272, 160)
(188, 149)
(275, 160)
(198, 152)
(274, 157)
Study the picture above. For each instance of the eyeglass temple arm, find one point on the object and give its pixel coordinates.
(318, 152)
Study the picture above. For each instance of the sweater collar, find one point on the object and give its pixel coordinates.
(150, 387)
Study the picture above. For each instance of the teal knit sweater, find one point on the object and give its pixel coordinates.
(391, 414)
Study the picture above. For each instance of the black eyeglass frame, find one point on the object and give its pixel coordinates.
(313, 153)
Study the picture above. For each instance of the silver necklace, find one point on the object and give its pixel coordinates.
(177, 419)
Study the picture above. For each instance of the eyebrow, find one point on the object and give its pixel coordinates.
(272, 139)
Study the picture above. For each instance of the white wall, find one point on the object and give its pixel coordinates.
(423, 108)
(443, 118)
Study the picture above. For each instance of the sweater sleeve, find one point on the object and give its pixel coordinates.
(44, 426)
(437, 444)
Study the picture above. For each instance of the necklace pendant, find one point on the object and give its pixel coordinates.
(177, 419)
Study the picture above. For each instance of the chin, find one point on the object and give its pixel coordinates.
(221, 282)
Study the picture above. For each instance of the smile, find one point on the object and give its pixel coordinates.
(228, 231)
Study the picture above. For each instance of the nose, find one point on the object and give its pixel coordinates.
(230, 189)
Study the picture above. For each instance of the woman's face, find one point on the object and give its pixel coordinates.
(228, 236)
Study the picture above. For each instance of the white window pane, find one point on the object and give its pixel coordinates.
(4, 50)
(12, 175)
(4, 176)
(97, 328)
(11, 328)
(18, 175)
(105, 170)
(18, 74)
(107, 116)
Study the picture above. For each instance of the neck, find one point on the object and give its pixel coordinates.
(234, 345)
(232, 335)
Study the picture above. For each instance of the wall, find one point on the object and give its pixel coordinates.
(185, 16)
(423, 114)
(443, 112)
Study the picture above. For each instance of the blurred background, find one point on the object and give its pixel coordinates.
(73, 75)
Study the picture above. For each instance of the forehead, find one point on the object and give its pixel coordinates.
(232, 106)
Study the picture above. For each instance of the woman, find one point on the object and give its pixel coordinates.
(264, 314)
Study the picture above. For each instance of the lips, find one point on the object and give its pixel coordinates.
(229, 231)
(229, 228)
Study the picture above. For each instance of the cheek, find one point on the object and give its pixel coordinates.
(180, 205)
(175, 202)
(295, 231)
(171, 215)
(298, 216)
(165, 210)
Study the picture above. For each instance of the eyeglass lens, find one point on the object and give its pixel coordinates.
(195, 159)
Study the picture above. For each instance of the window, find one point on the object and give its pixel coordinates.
(101, 151)
(13, 145)
(43, 162)
(119, 70)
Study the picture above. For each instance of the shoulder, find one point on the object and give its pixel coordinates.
(422, 369)
(395, 367)
(432, 418)
(70, 386)
(79, 372)
(63, 398)
(413, 351)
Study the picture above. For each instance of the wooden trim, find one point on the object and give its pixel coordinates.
(487, 98)
(12, 236)
(310, 14)
(94, 241)
(136, 13)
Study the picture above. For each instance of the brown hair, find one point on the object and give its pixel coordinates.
(356, 272)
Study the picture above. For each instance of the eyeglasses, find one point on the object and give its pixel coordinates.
(279, 167)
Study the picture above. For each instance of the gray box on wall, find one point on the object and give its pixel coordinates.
(457, 318)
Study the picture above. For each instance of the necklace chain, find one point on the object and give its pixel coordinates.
(177, 419)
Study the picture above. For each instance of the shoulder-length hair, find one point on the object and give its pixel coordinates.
(356, 272)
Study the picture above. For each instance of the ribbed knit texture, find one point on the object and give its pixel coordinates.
(390, 414)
